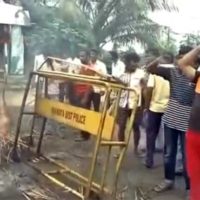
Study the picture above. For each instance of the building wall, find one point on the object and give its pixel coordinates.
(16, 66)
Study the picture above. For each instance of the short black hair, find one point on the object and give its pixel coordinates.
(95, 51)
(184, 49)
(114, 54)
(128, 57)
(87, 52)
(169, 57)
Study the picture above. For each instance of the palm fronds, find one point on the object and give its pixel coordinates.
(161, 4)
(122, 21)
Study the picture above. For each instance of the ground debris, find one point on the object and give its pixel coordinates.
(42, 194)
(5, 150)
(25, 185)
(140, 194)
(121, 194)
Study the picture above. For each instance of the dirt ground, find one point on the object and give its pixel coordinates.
(18, 178)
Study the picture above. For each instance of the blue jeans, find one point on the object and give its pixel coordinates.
(170, 153)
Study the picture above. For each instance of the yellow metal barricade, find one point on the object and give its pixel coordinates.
(99, 124)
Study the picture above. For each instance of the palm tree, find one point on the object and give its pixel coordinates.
(119, 21)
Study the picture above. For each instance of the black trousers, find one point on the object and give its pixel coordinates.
(76, 100)
(63, 87)
(170, 153)
(152, 131)
(96, 101)
(123, 115)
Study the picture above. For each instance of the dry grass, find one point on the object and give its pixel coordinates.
(5, 150)
(40, 194)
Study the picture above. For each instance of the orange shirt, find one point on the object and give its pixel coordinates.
(81, 88)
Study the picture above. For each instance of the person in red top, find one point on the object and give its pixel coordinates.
(189, 68)
(82, 89)
(80, 93)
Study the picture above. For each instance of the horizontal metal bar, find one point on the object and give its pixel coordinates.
(96, 186)
(29, 113)
(57, 182)
(57, 171)
(83, 183)
(113, 143)
(82, 78)
(76, 174)
(61, 75)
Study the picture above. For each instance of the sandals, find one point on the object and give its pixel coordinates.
(164, 186)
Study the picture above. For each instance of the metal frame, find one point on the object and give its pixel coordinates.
(84, 182)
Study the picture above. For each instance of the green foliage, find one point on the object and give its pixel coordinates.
(50, 33)
(122, 22)
(191, 39)
(73, 24)
(165, 43)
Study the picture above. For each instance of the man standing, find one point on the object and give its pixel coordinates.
(193, 134)
(133, 78)
(80, 93)
(39, 60)
(156, 101)
(101, 68)
(175, 118)
(53, 93)
(118, 66)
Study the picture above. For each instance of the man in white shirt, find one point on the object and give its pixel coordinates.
(133, 77)
(118, 66)
(52, 127)
(39, 60)
(73, 65)
(101, 68)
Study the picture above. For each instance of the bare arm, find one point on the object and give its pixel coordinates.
(156, 68)
(188, 61)
(151, 67)
(147, 93)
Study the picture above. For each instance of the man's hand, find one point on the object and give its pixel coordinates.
(145, 111)
(188, 62)
(83, 102)
(102, 93)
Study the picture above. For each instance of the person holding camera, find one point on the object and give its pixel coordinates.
(188, 64)
(176, 117)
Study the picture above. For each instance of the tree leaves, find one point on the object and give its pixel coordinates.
(92, 23)
(51, 34)
(120, 21)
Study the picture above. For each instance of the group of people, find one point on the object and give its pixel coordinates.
(167, 95)
(179, 118)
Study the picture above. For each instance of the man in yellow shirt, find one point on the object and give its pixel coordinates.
(157, 97)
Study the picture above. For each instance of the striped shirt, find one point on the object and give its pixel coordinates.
(182, 93)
